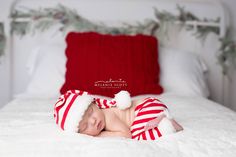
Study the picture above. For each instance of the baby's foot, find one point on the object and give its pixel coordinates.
(176, 125)
(154, 123)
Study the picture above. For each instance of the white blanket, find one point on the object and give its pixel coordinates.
(27, 129)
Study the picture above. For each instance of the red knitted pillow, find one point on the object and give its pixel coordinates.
(105, 64)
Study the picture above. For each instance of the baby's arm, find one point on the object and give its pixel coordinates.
(114, 134)
(115, 128)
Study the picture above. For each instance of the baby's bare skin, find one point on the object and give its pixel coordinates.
(107, 122)
(122, 119)
(114, 122)
(127, 116)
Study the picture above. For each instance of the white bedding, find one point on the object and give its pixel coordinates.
(27, 128)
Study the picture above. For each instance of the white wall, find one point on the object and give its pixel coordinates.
(4, 77)
(4, 61)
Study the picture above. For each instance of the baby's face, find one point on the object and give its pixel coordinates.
(93, 121)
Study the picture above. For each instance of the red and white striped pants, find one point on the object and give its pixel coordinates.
(147, 110)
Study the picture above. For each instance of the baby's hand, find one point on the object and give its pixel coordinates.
(154, 123)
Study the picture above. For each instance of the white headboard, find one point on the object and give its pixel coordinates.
(115, 12)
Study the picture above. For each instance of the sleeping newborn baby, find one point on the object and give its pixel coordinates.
(145, 119)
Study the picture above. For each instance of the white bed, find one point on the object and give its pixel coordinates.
(28, 129)
(27, 126)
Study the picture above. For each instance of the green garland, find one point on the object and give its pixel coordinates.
(68, 19)
(228, 56)
(43, 19)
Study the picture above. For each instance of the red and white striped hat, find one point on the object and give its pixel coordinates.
(71, 106)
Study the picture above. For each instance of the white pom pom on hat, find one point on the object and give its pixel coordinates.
(123, 100)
